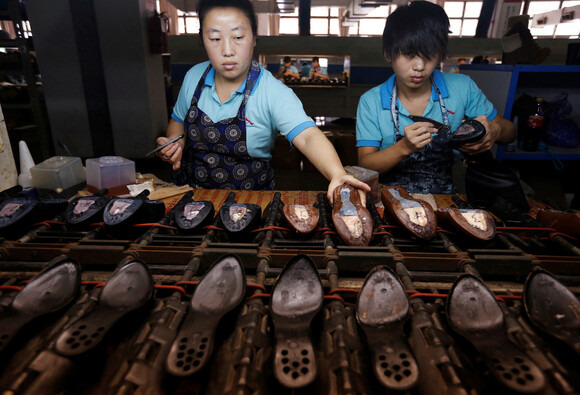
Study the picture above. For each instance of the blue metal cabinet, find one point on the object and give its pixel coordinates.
(503, 84)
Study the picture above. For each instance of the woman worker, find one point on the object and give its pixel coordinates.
(230, 108)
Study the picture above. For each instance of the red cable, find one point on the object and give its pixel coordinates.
(427, 295)
(255, 285)
(211, 227)
(174, 287)
(260, 296)
(388, 227)
(97, 284)
(335, 290)
(155, 225)
(444, 231)
(10, 288)
(524, 228)
(382, 233)
(271, 228)
(187, 283)
(322, 230)
(562, 234)
(334, 297)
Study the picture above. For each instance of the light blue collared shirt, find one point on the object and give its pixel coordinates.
(374, 122)
(272, 107)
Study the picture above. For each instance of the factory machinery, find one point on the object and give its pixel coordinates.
(221, 296)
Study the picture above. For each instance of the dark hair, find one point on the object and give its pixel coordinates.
(287, 59)
(420, 28)
(205, 6)
(315, 59)
(480, 59)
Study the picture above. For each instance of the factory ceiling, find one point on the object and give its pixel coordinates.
(359, 7)
(355, 9)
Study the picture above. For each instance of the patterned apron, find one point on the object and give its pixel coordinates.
(216, 153)
(428, 170)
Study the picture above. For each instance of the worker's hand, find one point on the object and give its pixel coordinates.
(172, 153)
(417, 136)
(492, 133)
(361, 187)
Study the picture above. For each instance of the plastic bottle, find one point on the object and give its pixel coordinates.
(535, 127)
(26, 163)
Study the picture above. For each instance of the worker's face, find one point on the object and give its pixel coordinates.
(229, 42)
(413, 71)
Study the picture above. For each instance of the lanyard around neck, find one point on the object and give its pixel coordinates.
(395, 106)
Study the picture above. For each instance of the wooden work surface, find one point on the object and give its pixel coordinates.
(262, 198)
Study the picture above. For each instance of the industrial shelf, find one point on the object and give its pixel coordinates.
(34, 106)
(503, 84)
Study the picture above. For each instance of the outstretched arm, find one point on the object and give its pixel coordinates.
(318, 149)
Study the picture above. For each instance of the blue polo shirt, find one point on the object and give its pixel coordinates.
(322, 70)
(272, 107)
(292, 69)
(462, 97)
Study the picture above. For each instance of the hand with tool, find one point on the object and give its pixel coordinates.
(418, 134)
(170, 149)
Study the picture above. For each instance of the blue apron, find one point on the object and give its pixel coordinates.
(216, 154)
(428, 170)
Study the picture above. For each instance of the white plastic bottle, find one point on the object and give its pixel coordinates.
(26, 163)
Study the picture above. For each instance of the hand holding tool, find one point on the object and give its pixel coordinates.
(440, 126)
(165, 145)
